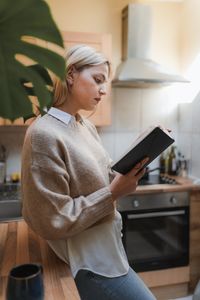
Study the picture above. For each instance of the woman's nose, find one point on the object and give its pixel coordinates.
(102, 91)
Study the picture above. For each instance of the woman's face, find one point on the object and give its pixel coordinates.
(88, 87)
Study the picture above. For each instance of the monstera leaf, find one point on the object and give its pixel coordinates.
(31, 91)
(20, 19)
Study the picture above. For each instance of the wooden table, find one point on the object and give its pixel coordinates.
(18, 245)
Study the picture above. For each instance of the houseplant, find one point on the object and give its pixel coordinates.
(20, 19)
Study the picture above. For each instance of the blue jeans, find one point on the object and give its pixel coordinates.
(127, 287)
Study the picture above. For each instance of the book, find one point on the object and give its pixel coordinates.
(150, 143)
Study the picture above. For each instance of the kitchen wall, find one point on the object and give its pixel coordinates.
(132, 109)
(105, 16)
(189, 113)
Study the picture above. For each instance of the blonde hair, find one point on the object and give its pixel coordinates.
(79, 57)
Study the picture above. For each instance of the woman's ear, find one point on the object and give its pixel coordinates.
(70, 75)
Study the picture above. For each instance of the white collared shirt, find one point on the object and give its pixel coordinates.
(60, 115)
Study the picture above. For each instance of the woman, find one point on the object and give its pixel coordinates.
(69, 190)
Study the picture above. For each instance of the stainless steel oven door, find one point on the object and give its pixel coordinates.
(156, 239)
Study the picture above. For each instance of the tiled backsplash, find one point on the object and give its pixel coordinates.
(189, 134)
(133, 110)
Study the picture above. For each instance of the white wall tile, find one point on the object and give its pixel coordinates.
(126, 108)
(195, 157)
(196, 116)
(133, 110)
(185, 117)
(158, 108)
(184, 143)
(122, 142)
(108, 139)
(189, 134)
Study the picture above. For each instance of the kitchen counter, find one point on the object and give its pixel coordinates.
(18, 245)
(183, 184)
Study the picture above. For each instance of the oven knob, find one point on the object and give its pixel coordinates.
(173, 200)
(135, 203)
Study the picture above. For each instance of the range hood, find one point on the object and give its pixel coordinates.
(136, 69)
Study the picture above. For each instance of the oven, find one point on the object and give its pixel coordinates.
(156, 230)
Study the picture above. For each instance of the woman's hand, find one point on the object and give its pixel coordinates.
(123, 185)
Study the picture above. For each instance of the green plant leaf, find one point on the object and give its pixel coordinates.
(18, 19)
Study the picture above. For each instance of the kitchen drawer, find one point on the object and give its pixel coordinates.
(10, 204)
(10, 210)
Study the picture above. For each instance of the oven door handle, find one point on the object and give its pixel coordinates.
(156, 214)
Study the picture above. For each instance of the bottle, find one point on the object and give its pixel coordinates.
(2, 164)
(183, 167)
(2, 171)
(172, 168)
(162, 163)
(167, 162)
(179, 164)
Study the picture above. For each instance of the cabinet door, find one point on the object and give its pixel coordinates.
(194, 239)
(101, 42)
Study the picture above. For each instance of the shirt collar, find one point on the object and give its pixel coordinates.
(63, 116)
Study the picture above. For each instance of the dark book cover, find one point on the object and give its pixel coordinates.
(150, 144)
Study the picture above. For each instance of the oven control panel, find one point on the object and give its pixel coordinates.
(153, 201)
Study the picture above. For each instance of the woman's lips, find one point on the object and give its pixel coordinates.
(97, 99)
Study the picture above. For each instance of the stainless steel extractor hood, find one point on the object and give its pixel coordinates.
(136, 69)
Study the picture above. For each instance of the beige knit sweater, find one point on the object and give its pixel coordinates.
(65, 178)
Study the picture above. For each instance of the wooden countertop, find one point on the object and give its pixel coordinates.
(184, 184)
(18, 245)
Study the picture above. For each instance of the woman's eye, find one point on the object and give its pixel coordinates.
(98, 80)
